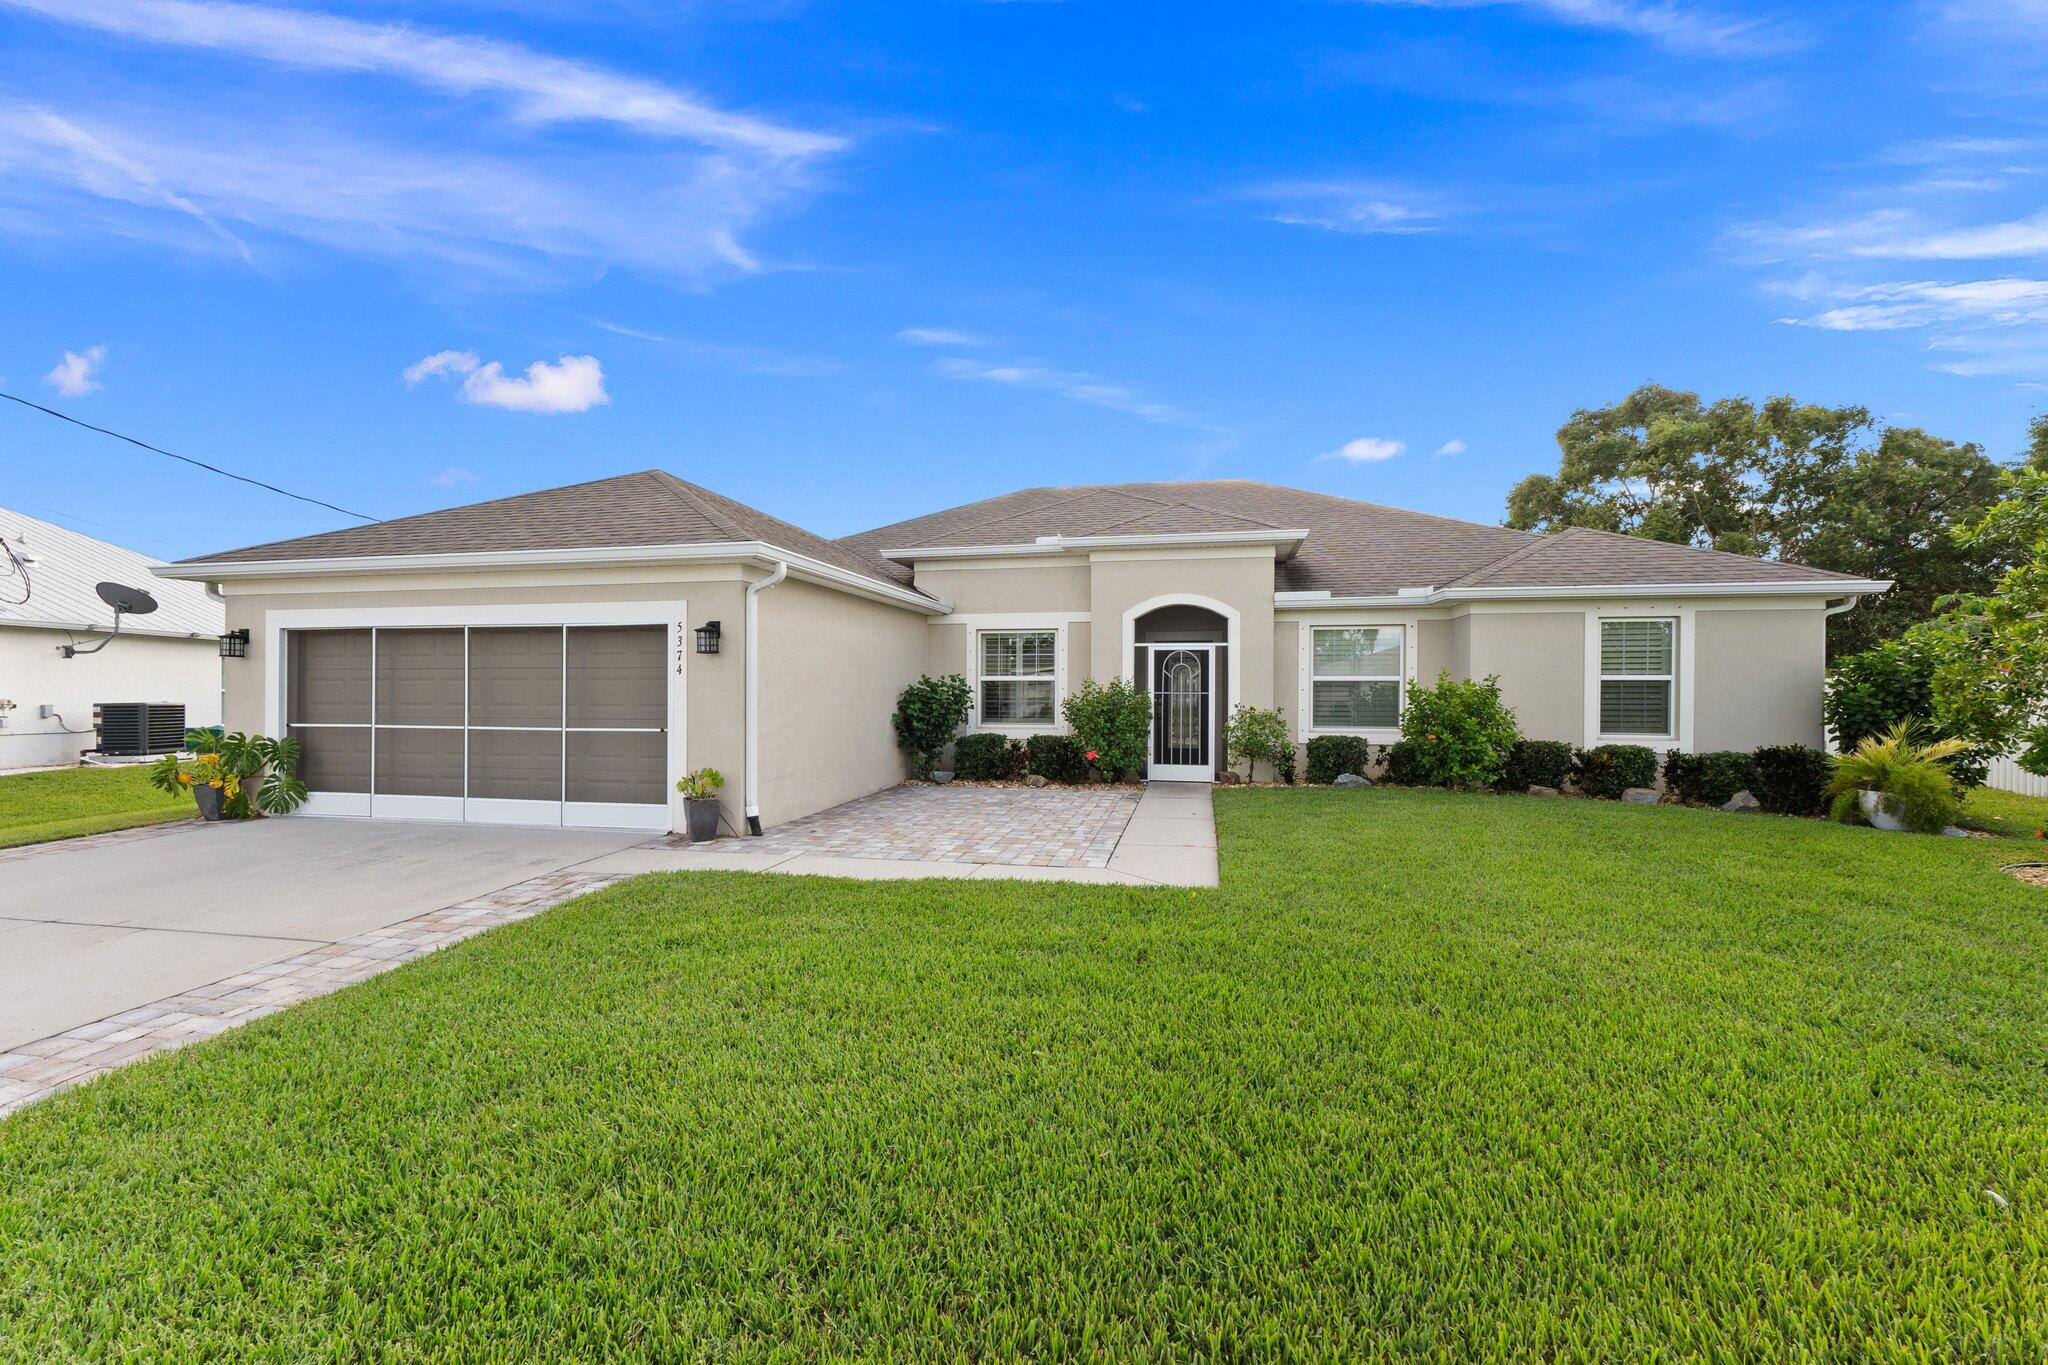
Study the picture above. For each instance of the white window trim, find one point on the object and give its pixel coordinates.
(1409, 629)
(1019, 730)
(1682, 619)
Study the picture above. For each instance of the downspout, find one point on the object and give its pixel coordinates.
(752, 776)
(1844, 605)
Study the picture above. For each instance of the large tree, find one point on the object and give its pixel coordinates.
(1826, 487)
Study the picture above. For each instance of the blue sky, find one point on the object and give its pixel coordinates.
(854, 262)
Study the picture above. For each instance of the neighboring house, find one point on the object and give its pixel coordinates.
(538, 658)
(170, 655)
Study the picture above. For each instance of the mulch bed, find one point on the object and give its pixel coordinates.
(2035, 874)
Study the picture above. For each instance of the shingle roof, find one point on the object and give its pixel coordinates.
(69, 565)
(652, 507)
(1354, 549)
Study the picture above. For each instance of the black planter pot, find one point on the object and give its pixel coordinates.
(208, 799)
(701, 819)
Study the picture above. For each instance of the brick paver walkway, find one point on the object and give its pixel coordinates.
(1012, 826)
(36, 1070)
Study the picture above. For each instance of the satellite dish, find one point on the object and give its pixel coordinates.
(124, 599)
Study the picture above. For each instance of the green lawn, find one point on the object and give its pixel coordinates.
(67, 802)
(1430, 1075)
(2008, 813)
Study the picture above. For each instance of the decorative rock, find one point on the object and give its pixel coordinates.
(1228, 778)
(942, 778)
(1035, 780)
(1742, 801)
(1540, 790)
(1351, 780)
(1641, 796)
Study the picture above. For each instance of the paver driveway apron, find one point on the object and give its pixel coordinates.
(91, 927)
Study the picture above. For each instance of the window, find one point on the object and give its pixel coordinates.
(1636, 677)
(1357, 674)
(1017, 677)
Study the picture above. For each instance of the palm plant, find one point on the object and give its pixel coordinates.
(1912, 779)
(246, 769)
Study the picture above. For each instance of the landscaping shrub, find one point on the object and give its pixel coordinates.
(929, 713)
(1709, 779)
(1792, 779)
(1056, 758)
(1461, 731)
(1914, 777)
(1258, 735)
(1112, 720)
(1870, 693)
(987, 758)
(1331, 756)
(1404, 766)
(1537, 763)
(1611, 769)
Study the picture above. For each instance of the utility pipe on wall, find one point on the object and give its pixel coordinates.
(752, 773)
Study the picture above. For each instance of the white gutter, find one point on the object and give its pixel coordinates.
(1830, 588)
(751, 777)
(1842, 606)
(1058, 545)
(745, 552)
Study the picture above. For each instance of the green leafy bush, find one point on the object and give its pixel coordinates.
(1056, 758)
(1870, 693)
(1792, 779)
(1709, 779)
(1537, 763)
(1914, 778)
(1112, 720)
(1404, 765)
(929, 713)
(1608, 770)
(1255, 735)
(1461, 731)
(1331, 756)
(987, 758)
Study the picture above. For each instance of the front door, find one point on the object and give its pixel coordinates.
(1182, 724)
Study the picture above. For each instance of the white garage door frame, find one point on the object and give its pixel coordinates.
(672, 615)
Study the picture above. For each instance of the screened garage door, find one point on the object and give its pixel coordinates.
(538, 725)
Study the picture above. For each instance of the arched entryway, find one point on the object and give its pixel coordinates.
(1181, 655)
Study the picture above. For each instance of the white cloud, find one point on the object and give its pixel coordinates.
(1365, 450)
(940, 336)
(73, 375)
(1678, 27)
(574, 383)
(452, 477)
(1899, 235)
(1454, 446)
(1365, 207)
(2006, 302)
(1071, 384)
(543, 89)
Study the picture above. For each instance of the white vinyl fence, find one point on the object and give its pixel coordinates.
(2006, 776)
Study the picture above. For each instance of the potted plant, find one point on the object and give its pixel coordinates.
(700, 804)
(232, 776)
(1894, 783)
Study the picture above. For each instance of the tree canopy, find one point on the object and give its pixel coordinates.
(1827, 487)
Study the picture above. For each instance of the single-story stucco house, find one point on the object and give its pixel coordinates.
(561, 657)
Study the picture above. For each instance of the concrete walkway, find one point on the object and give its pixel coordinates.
(1168, 839)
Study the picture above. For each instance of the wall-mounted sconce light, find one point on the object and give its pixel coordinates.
(707, 638)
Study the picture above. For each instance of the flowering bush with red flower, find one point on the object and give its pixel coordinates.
(1460, 733)
(1113, 719)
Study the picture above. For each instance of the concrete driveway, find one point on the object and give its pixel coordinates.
(93, 927)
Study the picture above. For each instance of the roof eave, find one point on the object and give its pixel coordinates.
(1851, 587)
(1285, 543)
(745, 552)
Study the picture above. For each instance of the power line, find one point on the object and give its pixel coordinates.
(172, 454)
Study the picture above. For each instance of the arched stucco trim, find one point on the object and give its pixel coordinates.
(1233, 631)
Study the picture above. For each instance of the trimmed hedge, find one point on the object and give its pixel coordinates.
(1709, 779)
(1056, 758)
(1792, 779)
(987, 758)
(1404, 766)
(1331, 756)
(1608, 770)
(1537, 763)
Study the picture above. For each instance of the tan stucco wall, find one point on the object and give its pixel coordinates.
(1541, 660)
(1245, 585)
(1759, 676)
(1025, 587)
(1434, 652)
(832, 666)
(714, 690)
